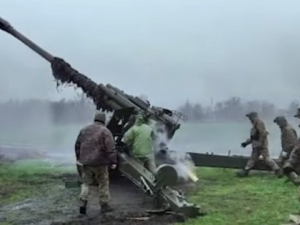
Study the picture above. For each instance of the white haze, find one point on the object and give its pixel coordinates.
(183, 162)
(169, 50)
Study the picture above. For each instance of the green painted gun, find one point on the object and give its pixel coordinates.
(109, 98)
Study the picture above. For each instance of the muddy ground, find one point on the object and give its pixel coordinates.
(53, 204)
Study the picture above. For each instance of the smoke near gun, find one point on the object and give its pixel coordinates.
(181, 161)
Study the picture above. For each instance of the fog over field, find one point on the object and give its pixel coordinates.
(171, 51)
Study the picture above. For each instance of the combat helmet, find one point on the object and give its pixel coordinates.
(142, 117)
(100, 117)
(252, 115)
(281, 121)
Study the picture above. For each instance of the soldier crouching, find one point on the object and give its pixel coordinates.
(95, 152)
(259, 140)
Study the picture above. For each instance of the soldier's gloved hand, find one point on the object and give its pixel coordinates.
(283, 154)
(244, 144)
(113, 166)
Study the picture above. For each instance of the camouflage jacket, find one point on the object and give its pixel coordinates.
(288, 138)
(95, 146)
(258, 135)
(294, 158)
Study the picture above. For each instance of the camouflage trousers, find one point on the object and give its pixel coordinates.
(148, 162)
(283, 158)
(264, 152)
(294, 159)
(98, 175)
(293, 163)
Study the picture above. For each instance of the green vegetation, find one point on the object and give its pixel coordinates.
(20, 180)
(255, 200)
(259, 199)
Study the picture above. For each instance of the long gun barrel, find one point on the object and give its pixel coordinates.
(110, 98)
(107, 97)
(7, 27)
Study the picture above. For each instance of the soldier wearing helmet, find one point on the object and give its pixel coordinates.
(293, 163)
(259, 141)
(95, 152)
(288, 139)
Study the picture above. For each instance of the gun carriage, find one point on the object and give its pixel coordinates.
(123, 106)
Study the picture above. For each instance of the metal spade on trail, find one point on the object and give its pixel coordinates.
(124, 106)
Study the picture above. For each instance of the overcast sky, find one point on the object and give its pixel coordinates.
(170, 50)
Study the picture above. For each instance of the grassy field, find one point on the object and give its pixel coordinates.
(260, 199)
(256, 200)
(24, 178)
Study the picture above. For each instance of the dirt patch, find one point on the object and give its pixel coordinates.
(53, 204)
(126, 219)
(154, 220)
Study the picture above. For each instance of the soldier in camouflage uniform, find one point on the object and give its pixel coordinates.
(259, 140)
(292, 164)
(288, 140)
(95, 152)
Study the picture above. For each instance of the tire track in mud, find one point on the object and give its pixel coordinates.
(53, 204)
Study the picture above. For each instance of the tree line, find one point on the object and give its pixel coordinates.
(81, 110)
(33, 111)
(234, 109)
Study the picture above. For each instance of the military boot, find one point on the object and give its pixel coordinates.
(293, 177)
(105, 208)
(242, 173)
(279, 173)
(82, 208)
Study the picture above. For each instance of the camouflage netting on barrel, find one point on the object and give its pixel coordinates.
(66, 75)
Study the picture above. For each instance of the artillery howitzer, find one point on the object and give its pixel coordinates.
(109, 98)
(124, 106)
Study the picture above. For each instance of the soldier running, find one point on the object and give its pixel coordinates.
(288, 140)
(95, 152)
(259, 140)
(292, 165)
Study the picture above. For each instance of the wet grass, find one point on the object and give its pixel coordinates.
(22, 179)
(260, 199)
